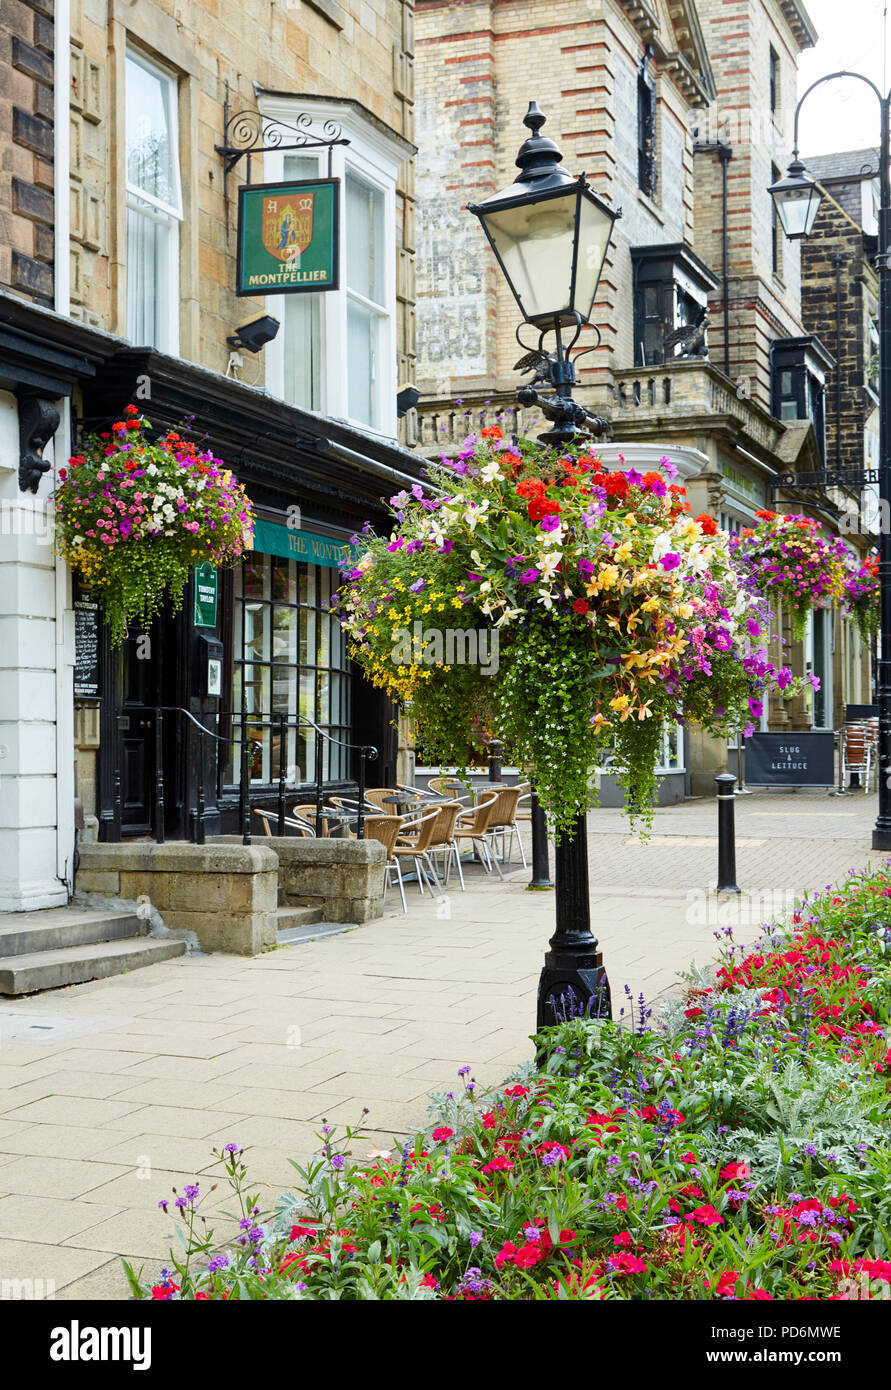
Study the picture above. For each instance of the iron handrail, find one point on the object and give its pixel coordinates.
(367, 752)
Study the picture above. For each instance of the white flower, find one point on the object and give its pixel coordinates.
(491, 471)
(548, 564)
(544, 597)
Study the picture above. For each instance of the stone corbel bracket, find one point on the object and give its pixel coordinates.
(38, 422)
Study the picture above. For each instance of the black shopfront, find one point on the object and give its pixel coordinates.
(255, 648)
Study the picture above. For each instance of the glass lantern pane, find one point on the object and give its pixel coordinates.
(595, 227)
(535, 244)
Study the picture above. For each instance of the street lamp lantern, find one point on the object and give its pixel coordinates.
(797, 199)
(549, 232)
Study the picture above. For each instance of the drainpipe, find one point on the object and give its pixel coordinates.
(61, 156)
(838, 261)
(725, 153)
(62, 610)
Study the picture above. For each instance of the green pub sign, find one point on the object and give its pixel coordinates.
(206, 587)
(287, 237)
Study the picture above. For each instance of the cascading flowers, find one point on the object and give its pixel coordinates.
(134, 513)
(863, 597)
(787, 557)
(599, 609)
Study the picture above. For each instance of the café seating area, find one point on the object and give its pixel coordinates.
(428, 833)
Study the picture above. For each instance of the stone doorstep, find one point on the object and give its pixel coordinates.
(25, 974)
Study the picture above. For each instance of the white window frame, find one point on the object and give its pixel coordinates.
(156, 209)
(374, 156)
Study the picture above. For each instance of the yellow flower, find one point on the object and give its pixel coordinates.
(619, 702)
(624, 552)
(599, 722)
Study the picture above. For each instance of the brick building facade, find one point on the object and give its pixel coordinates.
(663, 106)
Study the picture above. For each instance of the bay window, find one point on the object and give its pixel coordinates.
(336, 353)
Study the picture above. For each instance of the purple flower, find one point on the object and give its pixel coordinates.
(474, 1239)
(528, 577)
(338, 1162)
(218, 1262)
(752, 627)
(445, 548)
(670, 561)
(395, 545)
(550, 523)
(756, 707)
(191, 1191)
(417, 586)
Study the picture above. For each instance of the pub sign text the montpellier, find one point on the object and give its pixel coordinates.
(288, 237)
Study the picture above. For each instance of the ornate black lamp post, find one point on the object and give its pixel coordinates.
(550, 234)
(797, 198)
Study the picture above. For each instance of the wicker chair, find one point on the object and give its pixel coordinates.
(385, 829)
(451, 787)
(857, 752)
(473, 825)
(503, 822)
(269, 819)
(417, 847)
(442, 840)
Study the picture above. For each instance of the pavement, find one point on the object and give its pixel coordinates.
(115, 1091)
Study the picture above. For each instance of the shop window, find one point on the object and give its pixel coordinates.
(336, 353)
(290, 658)
(154, 205)
(671, 290)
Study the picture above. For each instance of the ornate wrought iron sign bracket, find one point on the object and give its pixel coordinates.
(249, 133)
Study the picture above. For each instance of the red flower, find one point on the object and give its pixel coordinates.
(708, 524)
(131, 410)
(707, 1216)
(581, 606)
(491, 432)
(442, 1134)
(63, 473)
(514, 1091)
(540, 507)
(734, 1171)
(498, 1165)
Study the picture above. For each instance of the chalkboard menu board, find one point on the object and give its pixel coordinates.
(86, 649)
(790, 760)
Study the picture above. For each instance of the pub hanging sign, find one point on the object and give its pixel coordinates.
(288, 237)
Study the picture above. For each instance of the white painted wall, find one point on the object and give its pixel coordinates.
(35, 682)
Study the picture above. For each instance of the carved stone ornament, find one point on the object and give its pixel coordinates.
(38, 422)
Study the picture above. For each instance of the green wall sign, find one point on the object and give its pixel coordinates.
(206, 592)
(307, 546)
(288, 237)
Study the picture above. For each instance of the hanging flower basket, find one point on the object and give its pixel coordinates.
(863, 598)
(569, 609)
(787, 557)
(134, 514)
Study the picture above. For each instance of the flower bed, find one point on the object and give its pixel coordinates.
(863, 597)
(736, 1147)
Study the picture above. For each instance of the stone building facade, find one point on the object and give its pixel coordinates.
(27, 117)
(118, 236)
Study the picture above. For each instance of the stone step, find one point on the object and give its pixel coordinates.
(74, 964)
(290, 917)
(54, 928)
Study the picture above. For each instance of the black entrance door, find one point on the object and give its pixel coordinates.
(140, 693)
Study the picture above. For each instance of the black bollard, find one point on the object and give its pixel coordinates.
(496, 748)
(541, 877)
(726, 834)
